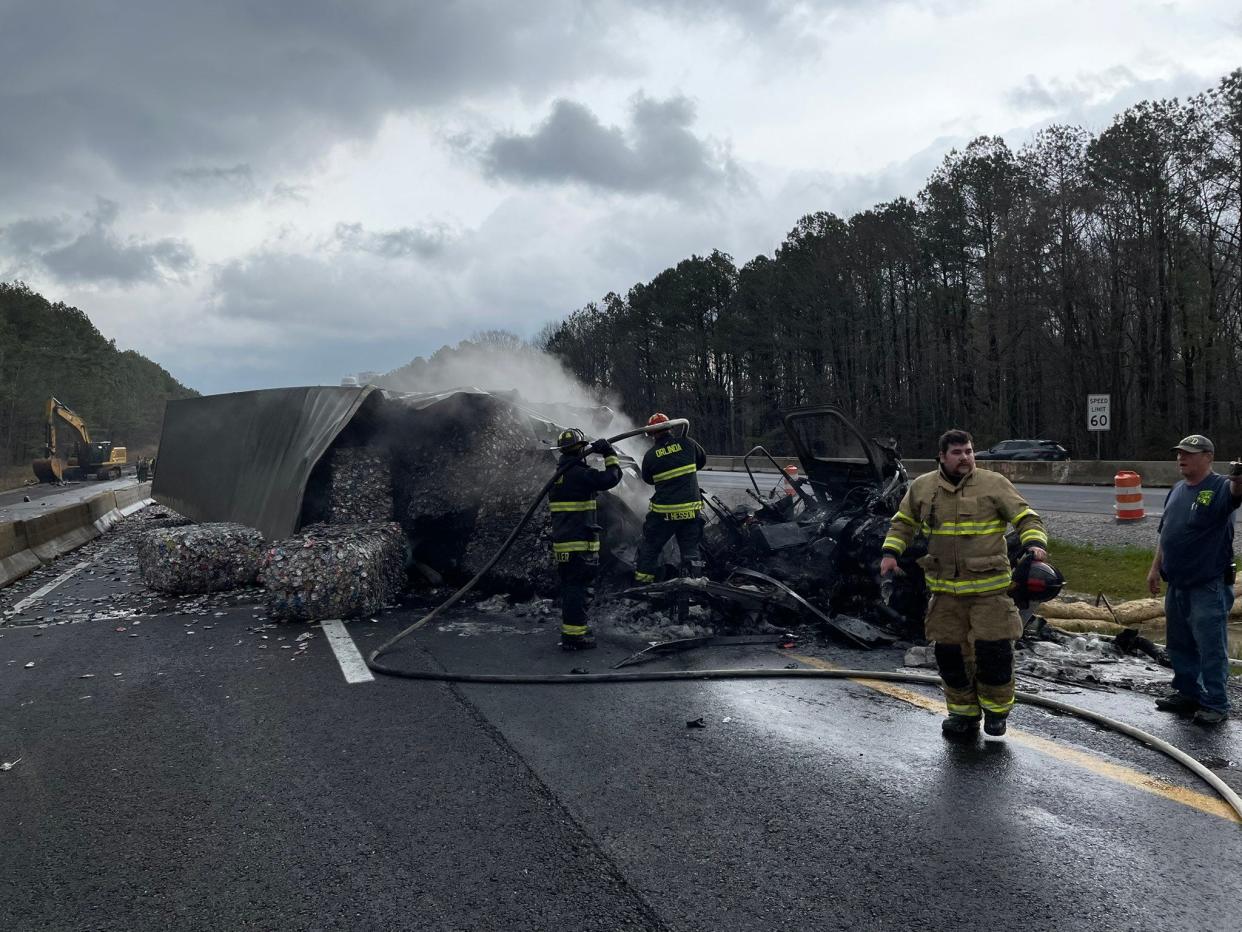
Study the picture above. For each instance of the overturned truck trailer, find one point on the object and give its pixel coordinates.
(455, 469)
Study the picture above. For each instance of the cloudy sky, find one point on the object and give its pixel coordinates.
(274, 192)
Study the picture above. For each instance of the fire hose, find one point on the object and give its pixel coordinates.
(565, 679)
(513, 535)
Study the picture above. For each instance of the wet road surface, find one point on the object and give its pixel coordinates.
(194, 766)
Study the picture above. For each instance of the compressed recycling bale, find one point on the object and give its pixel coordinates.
(335, 571)
(200, 557)
(464, 471)
(360, 489)
(527, 567)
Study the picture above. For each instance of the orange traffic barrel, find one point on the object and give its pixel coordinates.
(1128, 487)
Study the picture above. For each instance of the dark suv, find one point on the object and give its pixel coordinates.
(1024, 450)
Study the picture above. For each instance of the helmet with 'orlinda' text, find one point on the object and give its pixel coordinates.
(657, 418)
(570, 439)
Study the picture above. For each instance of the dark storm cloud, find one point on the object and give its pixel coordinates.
(657, 152)
(95, 255)
(149, 88)
(425, 242)
(26, 239)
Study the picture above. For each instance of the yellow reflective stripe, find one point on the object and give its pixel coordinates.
(991, 522)
(611, 461)
(1024, 513)
(969, 528)
(963, 709)
(1034, 534)
(572, 506)
(1001, 708)
(643, 577)
(895, 544)
(574, 631)
(902, 516)
(968, 586)
(674, 473)
(682, 506)
(576, 546)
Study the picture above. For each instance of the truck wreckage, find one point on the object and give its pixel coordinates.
(455, 471)
(359, 493)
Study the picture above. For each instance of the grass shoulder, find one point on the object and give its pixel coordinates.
(1118, 572)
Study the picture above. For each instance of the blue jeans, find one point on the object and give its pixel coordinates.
(1198, 641)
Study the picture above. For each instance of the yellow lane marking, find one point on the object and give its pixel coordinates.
(1213, 805)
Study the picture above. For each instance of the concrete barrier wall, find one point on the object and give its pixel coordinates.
(16, 558)
(1155, 473)
(56, 533)
(30, 543)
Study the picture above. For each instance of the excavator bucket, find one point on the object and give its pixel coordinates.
(49, 470)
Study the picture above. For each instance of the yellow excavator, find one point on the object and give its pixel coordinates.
(91, 458)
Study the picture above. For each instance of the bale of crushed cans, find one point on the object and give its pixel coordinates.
(200, 557)
(464, 472)
(360, 488)
(527, 568)
(335, 571)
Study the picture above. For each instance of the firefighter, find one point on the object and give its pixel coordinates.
(964, 512)
(670, 465)
(575, 534)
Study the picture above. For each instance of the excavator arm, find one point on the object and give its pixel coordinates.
(51, 468)
(56, 409)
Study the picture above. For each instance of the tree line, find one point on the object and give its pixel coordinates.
(51, 350)
(1013, 285)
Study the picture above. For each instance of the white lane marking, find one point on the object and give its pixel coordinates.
(347, 655)
(40, 593)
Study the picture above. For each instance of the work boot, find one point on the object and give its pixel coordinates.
(1210, 717)
(577, 642)
(960, 726)
(1177, 703)
(994, 724)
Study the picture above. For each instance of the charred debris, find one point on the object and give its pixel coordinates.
(457, 470)
(364, 497)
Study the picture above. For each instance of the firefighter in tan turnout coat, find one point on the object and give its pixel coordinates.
(965, 512)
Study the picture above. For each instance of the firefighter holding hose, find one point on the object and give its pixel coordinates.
(671, 465)
(575, 532)
(965, 512)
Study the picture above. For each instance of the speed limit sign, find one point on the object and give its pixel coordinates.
(1098, 416)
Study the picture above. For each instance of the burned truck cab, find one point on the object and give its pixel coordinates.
(821, 533)
(858, 482)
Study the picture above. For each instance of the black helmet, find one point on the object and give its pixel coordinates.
(1035, 582)
(570, 439)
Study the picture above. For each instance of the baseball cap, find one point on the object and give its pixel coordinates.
(1195, 443)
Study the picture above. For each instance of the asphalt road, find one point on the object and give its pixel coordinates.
(50, 497)
(195, 767)
(1088, 499)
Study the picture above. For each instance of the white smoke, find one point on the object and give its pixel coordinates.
(498, 361)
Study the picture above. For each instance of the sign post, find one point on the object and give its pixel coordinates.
(1099, 417)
